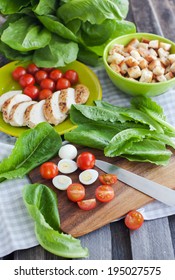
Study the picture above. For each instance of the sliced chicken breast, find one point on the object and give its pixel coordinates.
(52, 111)
(7, 95)
(81, 94)
(10, 102)
(66, 99)
(34, 114)
(16, 117)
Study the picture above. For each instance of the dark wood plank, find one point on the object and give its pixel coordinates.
(165, 14)
(152, 241)
(121, 245)
(145, 17)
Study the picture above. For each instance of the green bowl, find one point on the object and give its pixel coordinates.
(135, 87)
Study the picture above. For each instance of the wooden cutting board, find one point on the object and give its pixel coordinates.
(78, 222)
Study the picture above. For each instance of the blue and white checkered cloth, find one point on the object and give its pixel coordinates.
(16, 227)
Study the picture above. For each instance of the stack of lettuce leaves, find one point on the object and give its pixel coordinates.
(139, 132)
(56, 32)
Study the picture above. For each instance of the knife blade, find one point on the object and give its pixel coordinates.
(151, 188)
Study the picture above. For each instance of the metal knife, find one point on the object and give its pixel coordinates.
(153, 189)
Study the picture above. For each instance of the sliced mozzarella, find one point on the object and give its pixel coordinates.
(88, 176)
(10, 102)
(61, 182)
(34, 114)
(68, 151)
(16, 117)
(67, 166)
(7, 95)
(52, 110)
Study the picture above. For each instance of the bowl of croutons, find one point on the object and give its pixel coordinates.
(141, 63)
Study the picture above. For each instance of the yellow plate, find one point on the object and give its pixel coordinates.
(86, 77)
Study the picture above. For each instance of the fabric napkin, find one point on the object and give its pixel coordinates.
(16, 227)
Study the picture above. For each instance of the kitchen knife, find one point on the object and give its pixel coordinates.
(153, 189)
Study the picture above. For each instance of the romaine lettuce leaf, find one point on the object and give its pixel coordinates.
(44, 7)
(42, 205)
(10, 7)
(31, 149)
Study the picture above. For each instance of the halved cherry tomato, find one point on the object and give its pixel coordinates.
(104, 193)
(40, 75)
(87, 204)
(47, 83)
(26, 80)
(134, 220)
(18, 72)
(44, 93)
(32, 68)
(76, 192)
(31, 91)
(55, 74)
(72, 76)
(48, 170)
(86, 160)
(62, 83)
(108, 179)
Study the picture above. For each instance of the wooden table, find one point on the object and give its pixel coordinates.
(156, 238)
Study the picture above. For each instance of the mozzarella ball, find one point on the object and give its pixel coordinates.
(68, 151)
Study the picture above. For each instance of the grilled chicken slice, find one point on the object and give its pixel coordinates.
(34, 114)
(52, 111)
(66, 99)
(16, 117)
(10, 102)
(7, 95)
(81, 94)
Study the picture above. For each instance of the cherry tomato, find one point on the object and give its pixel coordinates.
(55, 74)
(48, 170)
(18, 72)
(31, 91)
(26, 80)
(108, 179)
(104, 193)
(87, 204)
(134, 220)
(44, 93)
(47, 84)
(62, 83)
(72, 76)
(86, 160)
(76, 192)
(40, 75)
(32, 68)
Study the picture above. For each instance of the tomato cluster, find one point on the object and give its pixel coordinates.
(40, 83)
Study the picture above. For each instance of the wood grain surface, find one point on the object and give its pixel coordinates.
(78, 222)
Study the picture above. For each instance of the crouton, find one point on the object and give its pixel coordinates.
(146, 76)
(162, 52)
(116, 57)
(134, 43)
(134, 72)
(150, 58)
(144, 40)
(153, 64)
(116, 48)
(153, 52)
(154, 44)
(143, 45)
(165, 61)
(171, 58)
(161, 78)
(135, 54)
(123, 68)
(143, 52)
(158, 70)
(172, 68)
(165, 46)
(131, 61)
(169, 76)
(143, 63)
(115, 67)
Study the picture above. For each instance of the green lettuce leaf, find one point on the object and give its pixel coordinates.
(44, 7)
(42, 205)
(152, 109)
(10, 7)
(31, 149)
(95, 12)
(57, 53)
(26, 34)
